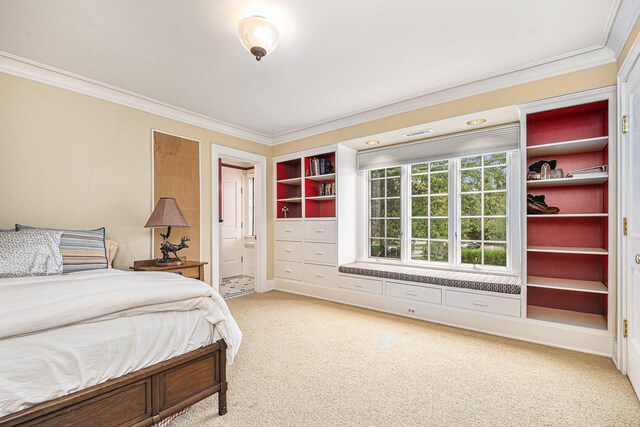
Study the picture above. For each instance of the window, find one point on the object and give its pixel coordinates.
(251, 209)
(483, 210)
(430, 211)
(456, 212)
(384, 217)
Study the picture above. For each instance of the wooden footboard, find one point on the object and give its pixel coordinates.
(140, 398)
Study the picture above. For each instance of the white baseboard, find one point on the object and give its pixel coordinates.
(546, 333)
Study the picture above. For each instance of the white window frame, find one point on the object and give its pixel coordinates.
(513, 221)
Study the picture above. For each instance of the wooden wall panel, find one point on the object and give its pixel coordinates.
(176, 173)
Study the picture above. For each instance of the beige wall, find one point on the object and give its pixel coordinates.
(592, 78)
(70, 160)
(631, 41)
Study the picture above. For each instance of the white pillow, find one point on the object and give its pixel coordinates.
(30, 253)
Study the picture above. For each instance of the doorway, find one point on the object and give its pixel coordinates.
(237, 229)
(239, 222)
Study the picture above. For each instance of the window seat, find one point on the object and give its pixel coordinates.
(454, 279)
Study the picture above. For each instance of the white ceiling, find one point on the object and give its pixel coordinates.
(335, 58)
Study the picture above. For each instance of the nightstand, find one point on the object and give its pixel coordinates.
(191, 269)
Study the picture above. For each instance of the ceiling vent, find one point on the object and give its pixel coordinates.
(417, 133)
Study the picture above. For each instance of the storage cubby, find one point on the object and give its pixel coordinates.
(320, 185)
(567, 253)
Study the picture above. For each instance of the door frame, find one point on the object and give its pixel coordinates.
(260, 162)
(629, 73)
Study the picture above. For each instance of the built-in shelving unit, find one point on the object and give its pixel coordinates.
(566, 269)
(306, 187)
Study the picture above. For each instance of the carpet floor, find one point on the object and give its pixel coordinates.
(307, 362)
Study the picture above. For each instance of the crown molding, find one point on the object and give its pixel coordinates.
(21, 67)
(593, 57)
(625, 18)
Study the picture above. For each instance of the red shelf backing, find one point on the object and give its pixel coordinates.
(583, 302)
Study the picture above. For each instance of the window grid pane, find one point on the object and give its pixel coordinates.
(429, 211)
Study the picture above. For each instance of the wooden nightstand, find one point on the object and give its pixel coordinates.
(192, 269)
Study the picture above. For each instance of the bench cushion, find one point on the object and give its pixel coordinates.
(454, 279)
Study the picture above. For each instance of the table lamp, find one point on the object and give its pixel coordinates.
(168, 214)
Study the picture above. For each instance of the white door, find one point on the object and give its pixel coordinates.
(631, 193)
(231, 227)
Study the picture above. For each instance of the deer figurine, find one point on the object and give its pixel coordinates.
(167, 247)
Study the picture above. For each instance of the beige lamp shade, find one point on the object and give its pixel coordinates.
(167, 214)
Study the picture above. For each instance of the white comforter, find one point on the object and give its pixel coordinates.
(40, 313)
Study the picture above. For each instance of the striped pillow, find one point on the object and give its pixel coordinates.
(81, 249)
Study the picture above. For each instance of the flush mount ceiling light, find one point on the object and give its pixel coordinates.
(373, 142)
(258, 36)
(476, 122)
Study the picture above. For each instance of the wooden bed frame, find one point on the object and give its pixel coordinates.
(141, 398)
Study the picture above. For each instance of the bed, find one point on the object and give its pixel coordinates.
(108, 347)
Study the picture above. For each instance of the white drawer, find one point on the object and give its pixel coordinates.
(324, 253)
(320, 275)
(417, 293)
(289, 270)
(289, 251)
(322, 231)
(486, 303)
(289, 230)
(372, 286)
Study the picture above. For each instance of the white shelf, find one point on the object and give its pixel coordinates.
(573, 318)
(567, 250)
(568, 147)
(291, 181)
(322, 178)
(567, 284)
(291, 200)
(591, 215)
(321, 198)
(563, 182)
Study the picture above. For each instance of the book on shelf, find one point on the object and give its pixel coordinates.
(328, 189)
(320, 166)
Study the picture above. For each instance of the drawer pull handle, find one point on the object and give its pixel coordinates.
(319, 275)
(411, 293)
(481, 303)
(319, 230)
(288, 270)
(288, 250)
(319, 253)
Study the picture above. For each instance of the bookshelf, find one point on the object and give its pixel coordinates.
(566, 272)
(307, 187)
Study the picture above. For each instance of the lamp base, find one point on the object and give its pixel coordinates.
(170, 263)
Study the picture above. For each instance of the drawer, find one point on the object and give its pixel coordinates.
(324, 253)
(192, 272)
(323, 275)
(322, 231)
(289, 251)
(289, 230)
(289, 270)
(371, 286)
(486, 303)
(416, 293)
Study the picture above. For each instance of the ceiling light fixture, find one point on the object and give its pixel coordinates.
(373, 142)
(258, 36)
(476, 122)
